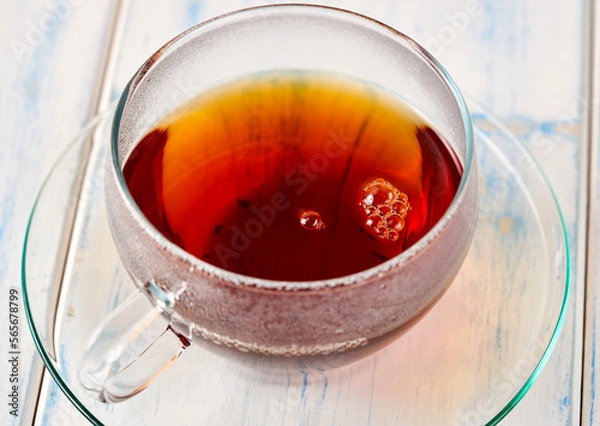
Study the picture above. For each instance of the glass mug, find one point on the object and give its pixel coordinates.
(319, 324)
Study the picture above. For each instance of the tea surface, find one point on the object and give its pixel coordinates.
(293, 176)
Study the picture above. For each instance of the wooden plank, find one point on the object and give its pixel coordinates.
(502, 55)
(532, 78)
(50, 52)
(590, 408)
(553, 130)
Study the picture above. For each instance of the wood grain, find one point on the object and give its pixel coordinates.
(523, 59)
(590, 409)
(50, 57)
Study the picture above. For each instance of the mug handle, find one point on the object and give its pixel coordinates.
(108, 343)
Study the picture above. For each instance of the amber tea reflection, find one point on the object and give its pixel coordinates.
(294, 176)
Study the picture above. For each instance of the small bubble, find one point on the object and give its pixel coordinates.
(312, 220)
(395, 222)
(383, 210)
(379, 195)
(400, 207)
(373, 221)
(382, 286)
(393, 236)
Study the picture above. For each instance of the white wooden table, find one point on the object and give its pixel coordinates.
(530, 62)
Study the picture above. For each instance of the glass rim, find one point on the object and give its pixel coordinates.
(356, 278)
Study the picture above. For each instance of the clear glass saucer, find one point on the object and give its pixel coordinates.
(469, 361)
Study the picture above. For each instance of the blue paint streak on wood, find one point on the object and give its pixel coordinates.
(547, 127)
(303, 391)
(84, 241)
(499, 335)
(565, 404)
(51, 404)
(321, 401)
(115, 94)
(63, 365)
(287, 389)
(478, 117)
(52, 32)
(34, 70)
(324, 389)
(194, 13)
(303, 398)
(116, 300)
(8, 210)
(489, 31)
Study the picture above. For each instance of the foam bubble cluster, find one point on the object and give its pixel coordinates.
(385, 208)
